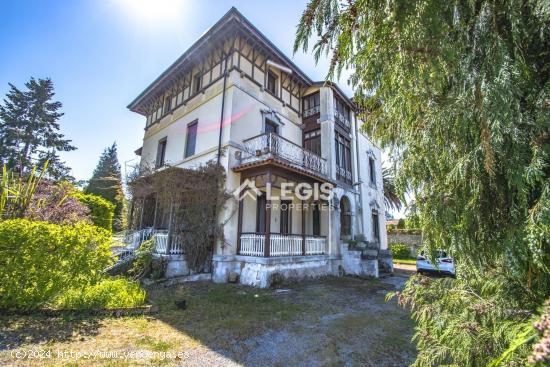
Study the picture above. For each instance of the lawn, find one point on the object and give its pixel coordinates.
(324, 322)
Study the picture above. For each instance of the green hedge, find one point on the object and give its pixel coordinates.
(108, 293)
(400, 251)
(39, 260)
(101, 210)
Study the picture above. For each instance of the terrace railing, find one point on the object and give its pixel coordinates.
(273, 145)
(253, 244)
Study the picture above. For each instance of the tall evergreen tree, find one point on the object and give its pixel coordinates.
(29, 129)
(106, 182)
(460, 90)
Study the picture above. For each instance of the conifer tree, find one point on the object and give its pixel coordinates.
(106, 182)
(459, 91)
(29, 129)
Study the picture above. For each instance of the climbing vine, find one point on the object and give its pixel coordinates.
(188, 202)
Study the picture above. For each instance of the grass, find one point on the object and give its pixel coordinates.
(405, 261)
(330, 320)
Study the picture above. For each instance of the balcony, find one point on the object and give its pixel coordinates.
(272, 146)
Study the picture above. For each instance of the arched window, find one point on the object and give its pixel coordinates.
(345, 217)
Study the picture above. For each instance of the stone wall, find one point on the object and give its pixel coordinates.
(263, 272)
(414, 241)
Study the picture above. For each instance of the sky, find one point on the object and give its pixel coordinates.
(100, 54)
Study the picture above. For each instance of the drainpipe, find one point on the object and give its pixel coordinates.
(223, 106)
(359, 175)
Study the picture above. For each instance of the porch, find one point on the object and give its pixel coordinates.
(272, 223)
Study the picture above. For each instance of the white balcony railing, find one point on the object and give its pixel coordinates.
(161, 243)
(273, 145)
(285, 245)
(311, 111)
(252, 244)
(315, 245)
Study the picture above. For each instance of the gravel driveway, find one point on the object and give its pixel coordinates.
(350, 324)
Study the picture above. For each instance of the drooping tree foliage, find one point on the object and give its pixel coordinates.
(459, 91)
(106, 182)
(391, 195)
(29, 130)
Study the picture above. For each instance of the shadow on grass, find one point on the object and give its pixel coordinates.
(18, 330)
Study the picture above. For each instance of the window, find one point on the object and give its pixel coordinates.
(197, 83)
(286, 217)
(161, 153)
(372, 171)
(312, 141)
(260, 213)
(343, 158)
(191, 139)
(345, 217)
(375, 227)
(342, 113)
(311, 104)
(167, 103)
(316, 220)
(272, 82)
(271, 127)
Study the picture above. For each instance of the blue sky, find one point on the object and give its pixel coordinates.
(101, 54)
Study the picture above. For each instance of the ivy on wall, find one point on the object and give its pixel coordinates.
(188, 201)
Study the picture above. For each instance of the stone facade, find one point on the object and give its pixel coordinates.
(265, 272)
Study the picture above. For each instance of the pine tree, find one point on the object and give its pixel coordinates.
(106, 182)
(29, 129)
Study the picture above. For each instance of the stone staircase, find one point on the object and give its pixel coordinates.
(366, 259)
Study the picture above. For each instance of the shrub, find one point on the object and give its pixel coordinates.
(53, 202)
(400, 251)
(145, 265)
(401, 224)
(107, 293)
(39, 260)
(101, 210)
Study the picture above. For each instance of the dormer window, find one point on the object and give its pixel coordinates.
(197, 83)
(272, 83)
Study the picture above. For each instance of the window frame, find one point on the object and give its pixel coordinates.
(372, 171)
(161, 153)
(316, 220)
(192, 124)
(375, 226)
(275, 79)
(271, 123)
(261, 209)
(286, 219)
(197, 83)
(167, 105)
